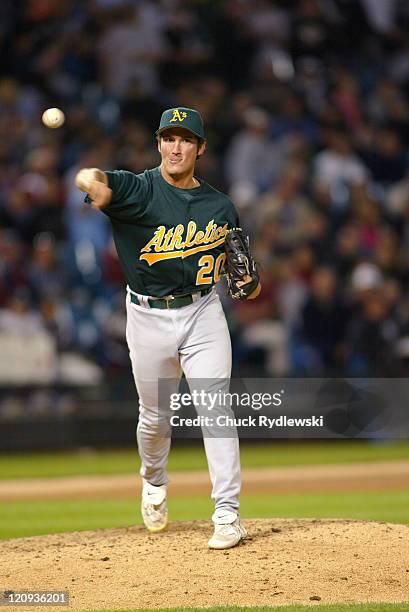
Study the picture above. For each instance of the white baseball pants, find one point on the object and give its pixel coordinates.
(162, 343)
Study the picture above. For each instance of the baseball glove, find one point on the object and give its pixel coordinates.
(239, 263)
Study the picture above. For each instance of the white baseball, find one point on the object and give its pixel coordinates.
(53, 118)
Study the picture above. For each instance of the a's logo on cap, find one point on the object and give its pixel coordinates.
(178, 115)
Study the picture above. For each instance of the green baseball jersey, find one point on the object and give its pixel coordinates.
(169, 240)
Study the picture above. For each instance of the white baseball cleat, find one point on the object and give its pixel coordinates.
(228, 531)
(154, 507)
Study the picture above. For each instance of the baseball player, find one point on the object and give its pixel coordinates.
(170, 231)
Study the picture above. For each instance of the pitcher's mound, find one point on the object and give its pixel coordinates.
(282, 561)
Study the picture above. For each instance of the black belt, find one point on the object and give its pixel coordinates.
(171, 301)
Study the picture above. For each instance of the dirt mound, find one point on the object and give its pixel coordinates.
(282, 561)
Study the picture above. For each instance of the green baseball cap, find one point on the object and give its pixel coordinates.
(187, 118)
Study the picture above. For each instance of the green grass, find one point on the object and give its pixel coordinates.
(372, 607)
(44, 465)
(20, 518)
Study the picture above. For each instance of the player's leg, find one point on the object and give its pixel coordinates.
(154, 354)
(205, 353)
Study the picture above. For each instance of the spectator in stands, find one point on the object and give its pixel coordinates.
(288, 206)
(45, 275)
(18, 317)
(371, 339)
(252, 157)
(260, 328)
(318, 342)
(337, 169)
(13, 271)
(128, 51)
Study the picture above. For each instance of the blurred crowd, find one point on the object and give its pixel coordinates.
(307, 115)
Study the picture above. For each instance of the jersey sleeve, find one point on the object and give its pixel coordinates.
(129, 195)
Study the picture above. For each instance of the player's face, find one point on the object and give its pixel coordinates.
(179, 148)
